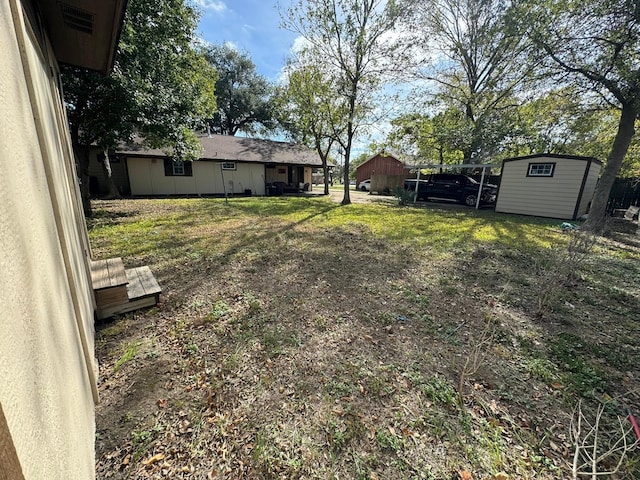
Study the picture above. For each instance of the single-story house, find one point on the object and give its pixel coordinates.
(48, 368)
(385, 171)
(229, 165)
(548, 185)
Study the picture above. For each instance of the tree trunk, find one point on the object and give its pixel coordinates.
(325, 169)
(346, 200)
(82, 167)
(597, 214)
(106, 165)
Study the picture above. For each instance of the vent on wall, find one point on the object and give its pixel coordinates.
(77, 19)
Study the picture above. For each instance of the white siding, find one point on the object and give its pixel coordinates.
(147, 177)
(553, 197)
(140, 176)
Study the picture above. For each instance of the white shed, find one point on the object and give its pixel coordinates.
(548, 185)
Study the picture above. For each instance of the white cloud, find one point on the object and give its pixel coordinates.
(231, 45)
(299, 44)
(215, 5)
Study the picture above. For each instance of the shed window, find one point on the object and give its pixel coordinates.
(228, 166)
(178, 167)
(540, 170)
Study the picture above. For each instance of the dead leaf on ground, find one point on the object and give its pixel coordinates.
(156, 458)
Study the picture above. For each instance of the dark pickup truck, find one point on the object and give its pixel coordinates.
(450, 186)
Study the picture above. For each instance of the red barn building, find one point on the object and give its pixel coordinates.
(385, 171)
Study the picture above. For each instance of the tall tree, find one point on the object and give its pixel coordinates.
(308, 110)
(437, 139)
(244, 96)
(347, 39)
(475, 52)
(596, 44)
(160, 88)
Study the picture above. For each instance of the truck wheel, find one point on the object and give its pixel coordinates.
(470, 200)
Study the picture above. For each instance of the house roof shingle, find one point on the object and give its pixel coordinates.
(240, 149)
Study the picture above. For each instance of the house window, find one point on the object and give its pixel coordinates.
(541, 170)
(228, 166)
(178, 167)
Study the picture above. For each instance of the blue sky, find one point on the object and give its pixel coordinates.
(252, 26)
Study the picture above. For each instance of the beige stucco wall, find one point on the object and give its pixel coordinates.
(46, 345)
(553, 197)
(146, 176)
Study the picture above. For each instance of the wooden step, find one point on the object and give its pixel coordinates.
(142, 291)
(108, 273)
(109, 282)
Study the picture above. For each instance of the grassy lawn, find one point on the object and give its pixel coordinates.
(297, 338)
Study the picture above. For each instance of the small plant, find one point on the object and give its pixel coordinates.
(559, 267)
(388, 440)
(130, 351)
(405, 197)
(192, 348)
(542, 369)
(600, 446)
(570, 352)
(253, 303)
(475, 353)
(441, 392)
(220, 310)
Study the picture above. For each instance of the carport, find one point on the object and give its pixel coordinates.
(439, 166)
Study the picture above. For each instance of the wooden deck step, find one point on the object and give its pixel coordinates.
(142, 291)
(109, 282)
(108, 273)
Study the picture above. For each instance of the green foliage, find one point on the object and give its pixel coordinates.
(345, 39)
(482, 61)
(441, 392)
(404, 196)
(159, 87)
(129, 353)
(244, 97)
(309, 110)
(171, 84)
(220, 310)
(440, 138)
(573, 355)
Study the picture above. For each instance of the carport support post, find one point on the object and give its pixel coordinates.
(415, 193)
(484, 169)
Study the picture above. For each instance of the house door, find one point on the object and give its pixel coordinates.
(296, 175)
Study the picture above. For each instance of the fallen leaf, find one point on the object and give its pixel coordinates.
(156, 458)
(501, 476)
(464, 475)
